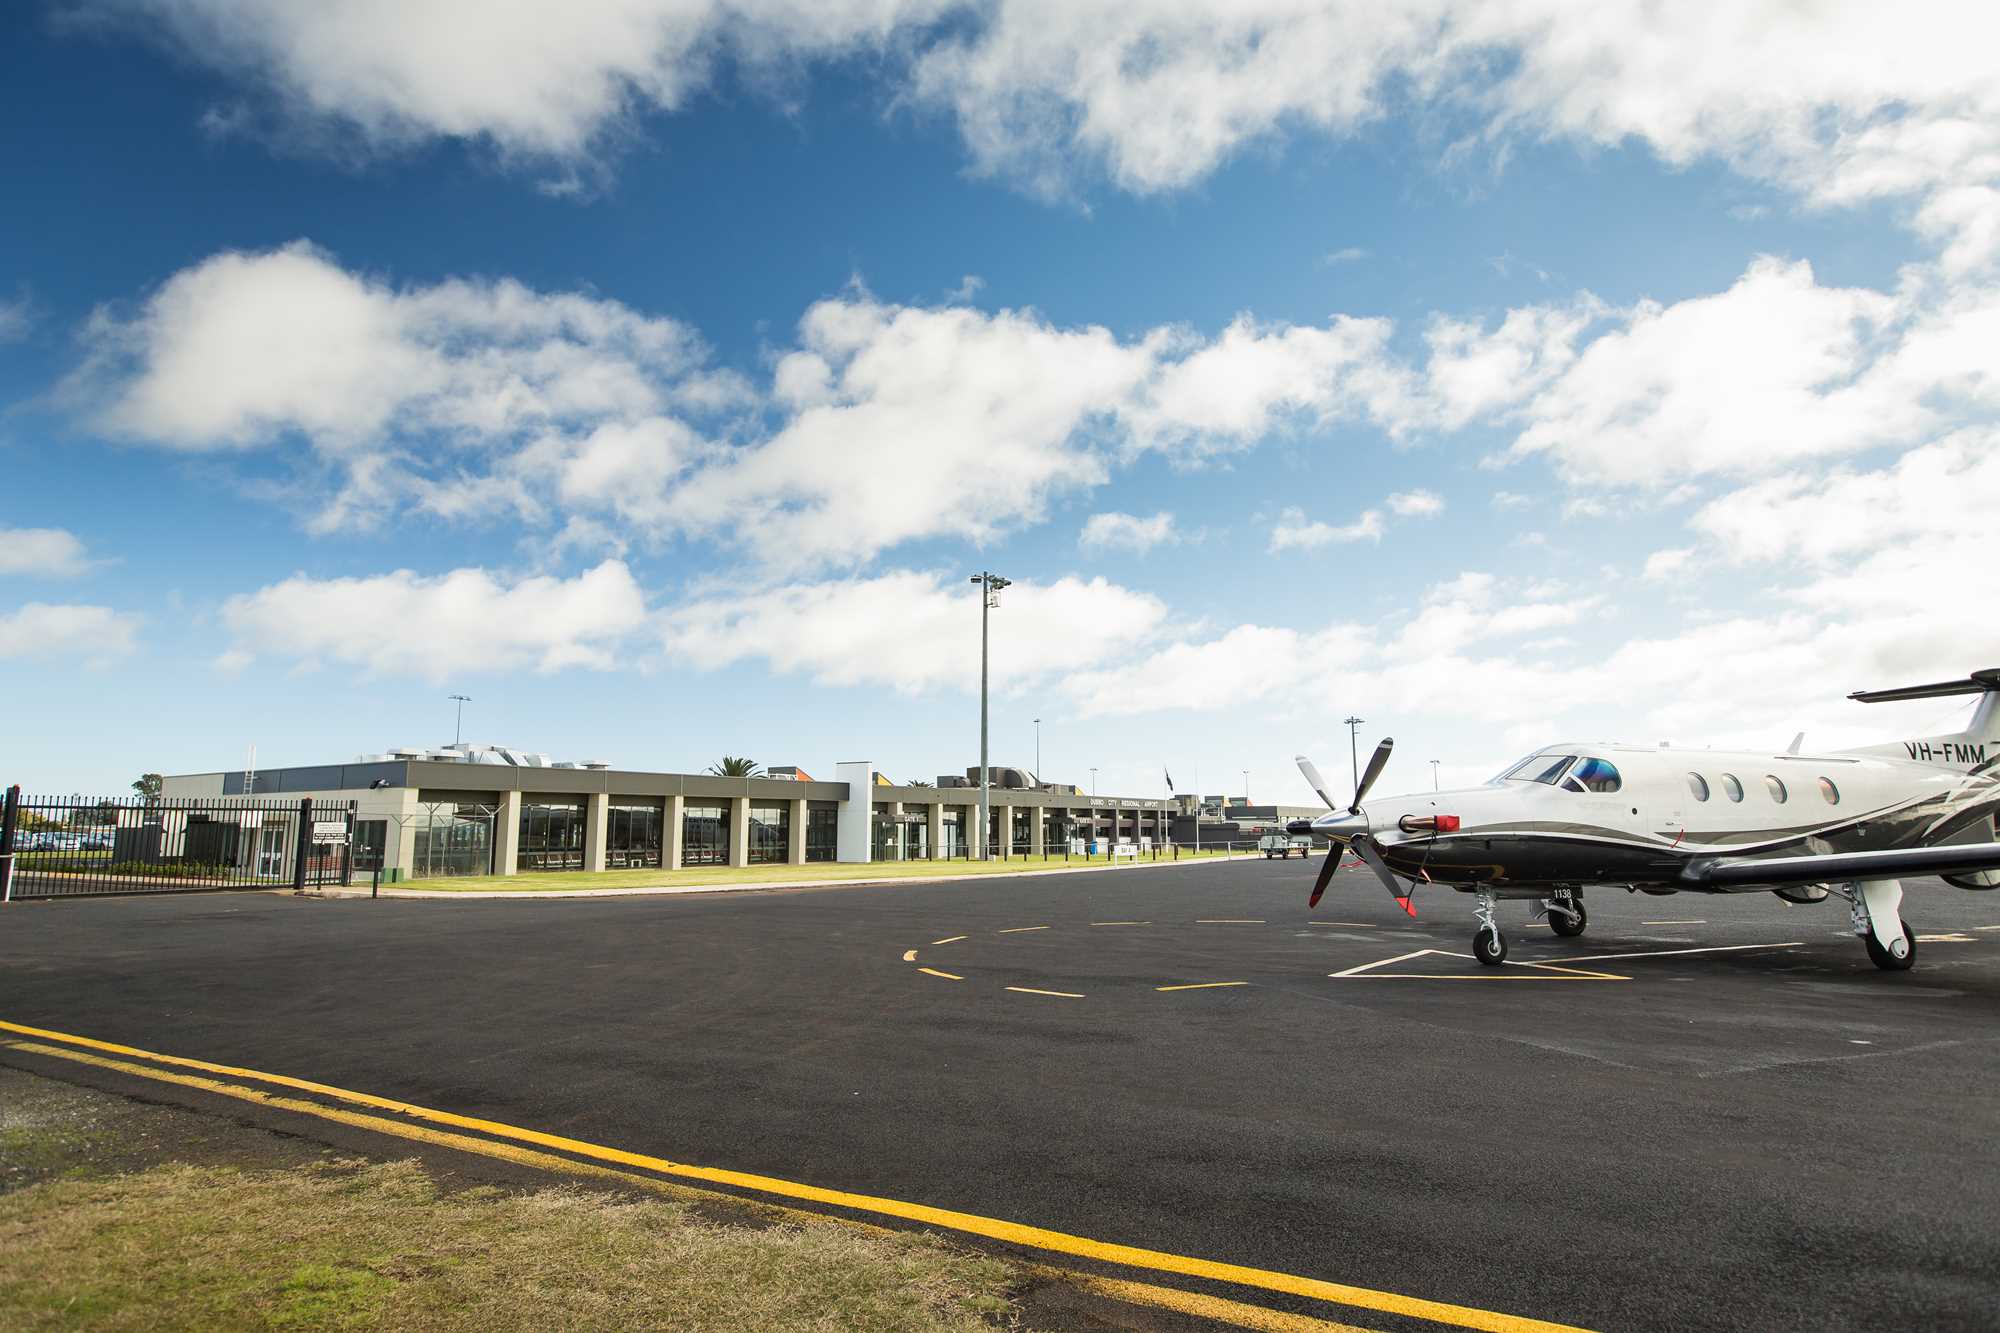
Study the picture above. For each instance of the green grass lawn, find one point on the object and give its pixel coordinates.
(820, 871)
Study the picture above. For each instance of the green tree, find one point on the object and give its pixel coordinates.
(733, 767)
(918, 782)
(148, 786)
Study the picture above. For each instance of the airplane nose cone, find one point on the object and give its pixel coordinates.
(1340, 825)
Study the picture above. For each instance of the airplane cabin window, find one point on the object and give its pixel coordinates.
(1777, 789)
(1597, 775)
(1731, 787)
(1828, 790)
(1698, 785)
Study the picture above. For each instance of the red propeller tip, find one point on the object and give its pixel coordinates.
(1407, 905)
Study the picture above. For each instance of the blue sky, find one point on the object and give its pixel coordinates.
(658, 382)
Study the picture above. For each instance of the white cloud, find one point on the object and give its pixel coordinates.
(909, 630)
(1295, 532)
(46, 551)
(41, 630)
(452, 625)
(1415, 504)
(1668, 564)
(16, 317)
(1510, 500)
(1347, 254)
(1129, 532)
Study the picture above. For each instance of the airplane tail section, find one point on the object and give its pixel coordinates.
(1974, 749)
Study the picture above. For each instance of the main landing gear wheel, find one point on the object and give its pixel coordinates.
(1489, 946)
(1567, 926)
(1886, 959)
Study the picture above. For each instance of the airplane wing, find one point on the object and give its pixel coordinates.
(1721, 872)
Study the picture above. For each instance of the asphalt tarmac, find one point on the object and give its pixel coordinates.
(1777, 1136)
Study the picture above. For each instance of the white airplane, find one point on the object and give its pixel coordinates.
(1661, 820)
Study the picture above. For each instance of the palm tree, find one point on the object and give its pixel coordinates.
(918, 782)
(733, 767)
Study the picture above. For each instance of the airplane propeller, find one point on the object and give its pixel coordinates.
(1363, 845)
(1376, 763)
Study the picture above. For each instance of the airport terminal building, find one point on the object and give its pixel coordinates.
(489, 810)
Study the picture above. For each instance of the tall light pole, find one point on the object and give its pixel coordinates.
(1353, 754)
(1038, 749)
(458, 727)
(990, 585)
(1434, 775)
(1093, 784)
(1246, 786)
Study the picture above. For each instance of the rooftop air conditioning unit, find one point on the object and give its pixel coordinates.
(595, 765)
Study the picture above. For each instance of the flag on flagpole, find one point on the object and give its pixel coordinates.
(1170, 778)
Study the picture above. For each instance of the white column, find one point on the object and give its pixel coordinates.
(676, 827)
(739, 830)
(795, 847)
(1039, 815)
(934, 818)
(853, 843)
(596, 824)
(507, 835)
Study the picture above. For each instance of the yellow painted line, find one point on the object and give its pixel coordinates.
(953, 940)
(1218, 1308)
(1944, 939)
(1192, 1303)
(909, 955)
(1121, 923)
(948, 976)
(1017, 930)
(1060, 994)
(1986, 927)
(1229, 921)
(1458, 1316)
(1203, 985)
(1367, 972)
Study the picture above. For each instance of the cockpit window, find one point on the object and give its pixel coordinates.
(1597, 775)
(1543, 768)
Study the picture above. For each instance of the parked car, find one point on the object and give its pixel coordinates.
(1284, 844)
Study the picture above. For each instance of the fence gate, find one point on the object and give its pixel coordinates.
(75, 847)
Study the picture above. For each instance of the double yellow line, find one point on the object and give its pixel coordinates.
(82, 1050)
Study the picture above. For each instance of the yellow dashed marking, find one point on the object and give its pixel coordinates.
(1121, 923)
(1017, 930)
(1229, 921)
(1203, 985)
(909, 955)
(1059, 994)
(948, 976)
(953, 940)
(1945, 939)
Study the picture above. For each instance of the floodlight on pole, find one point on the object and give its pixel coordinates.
(1038, 750)
(990, 585)
(1353, 753)
(1246, 785)
(1093, 784)
(458, 726)
(1434, 775)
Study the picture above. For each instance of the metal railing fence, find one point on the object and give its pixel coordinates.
(75, 846)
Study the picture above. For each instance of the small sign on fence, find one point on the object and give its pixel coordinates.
(329, 830)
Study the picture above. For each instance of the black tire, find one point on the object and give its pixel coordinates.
(1887, 961)
(1267, 856)
(1489, 947)
(1567, 928)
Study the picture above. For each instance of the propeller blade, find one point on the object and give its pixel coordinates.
(1313, 778)
(1370, 852)
(1376, 763)
(1325, 874)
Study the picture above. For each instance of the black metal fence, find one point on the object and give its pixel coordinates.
(73, 846)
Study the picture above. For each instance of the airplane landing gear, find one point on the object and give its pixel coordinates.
(1875, 909)
(1564, 910)
(1489, 946)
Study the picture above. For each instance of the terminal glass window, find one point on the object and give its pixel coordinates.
(453, 839)
(632, 836)
(951, 832)
(551, 835)
(1021, 835)
(705, 835)
(822, 830)
(888, 831)
(771, 833)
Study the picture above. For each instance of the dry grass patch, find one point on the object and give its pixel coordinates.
(353, 1245)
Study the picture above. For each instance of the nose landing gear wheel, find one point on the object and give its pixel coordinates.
(1569, 927)
(1886, 959)
(1489, 946)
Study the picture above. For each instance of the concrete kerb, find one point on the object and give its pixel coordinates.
(542, 894)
